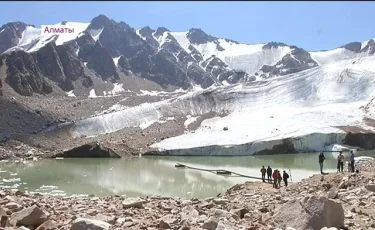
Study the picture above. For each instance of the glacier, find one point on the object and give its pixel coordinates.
(306, 108)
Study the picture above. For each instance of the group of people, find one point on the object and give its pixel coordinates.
(275, 176)
(340, 162)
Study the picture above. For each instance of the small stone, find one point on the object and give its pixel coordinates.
(48, 225)
(370, 187)
(333, 193)
(12, 205)
(120, 221)
(263, 209)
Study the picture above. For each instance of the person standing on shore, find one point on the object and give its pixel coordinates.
(285, 178)
(340, 162)
(321, 160)
(269, 174)
(275, 176)
(279, 178)
(263, 171)
(352, 160)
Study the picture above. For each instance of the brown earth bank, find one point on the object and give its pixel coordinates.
(331, 201)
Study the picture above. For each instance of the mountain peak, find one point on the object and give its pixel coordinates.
(198, 36)
(100, 20)
(160, 31)
(353, 46)
(273, 45)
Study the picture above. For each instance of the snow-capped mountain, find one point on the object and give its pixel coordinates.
(244, 99)
(110, 50)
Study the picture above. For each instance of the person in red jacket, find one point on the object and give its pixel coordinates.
(275, 177)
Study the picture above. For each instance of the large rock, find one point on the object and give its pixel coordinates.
(310, 213)
(32, 216)
(88, 224)
(133, 203)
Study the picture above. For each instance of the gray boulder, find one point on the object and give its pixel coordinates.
(88, 224)
(32, 216)
(310, 213)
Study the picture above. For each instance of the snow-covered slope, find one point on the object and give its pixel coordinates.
(318, 100)
(248, 58)
(33, 39)
(339, 54)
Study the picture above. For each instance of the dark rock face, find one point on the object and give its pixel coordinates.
(87, 82)
(1, 87)
(286, 147)
(92, 150)
(123, 65)
(86, 46)
(363, 140)
(102, 63)
(370, 47)
(199, 76)
(195, 54)
(49, 62)
(72, 66)
(146, 32)
(152, 54)
(160, 31)
(10, 35)
(198, 36)
(220, 70)
(273, 45)
(353, 46)
(298, 60)
(117, 38)
(24, 75)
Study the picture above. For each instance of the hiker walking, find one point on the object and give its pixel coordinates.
(285, 178)
(269, 174)
(279, 178)
(340, 162)
(275, 176)
(352, 160)
(321, 160)
(263, 171)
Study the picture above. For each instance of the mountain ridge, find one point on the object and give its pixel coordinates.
(108, 49)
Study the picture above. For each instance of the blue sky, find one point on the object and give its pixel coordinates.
(310, 25)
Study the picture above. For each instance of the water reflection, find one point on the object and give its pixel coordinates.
(152, 175)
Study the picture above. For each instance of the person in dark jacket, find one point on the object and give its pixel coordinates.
(285, 178)
(321, 160)
(269, 174)
(352, 160)
(263, 172)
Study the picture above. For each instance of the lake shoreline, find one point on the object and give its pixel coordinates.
(254, 205)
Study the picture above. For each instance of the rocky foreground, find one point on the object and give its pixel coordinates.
(332, 201)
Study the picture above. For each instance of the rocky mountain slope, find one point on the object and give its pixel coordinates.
(140, 88)
(111, 50)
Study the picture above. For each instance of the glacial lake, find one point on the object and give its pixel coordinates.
(148, 176)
